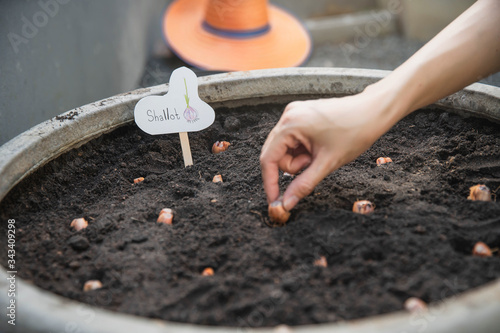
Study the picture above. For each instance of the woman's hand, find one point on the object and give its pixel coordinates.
(319, 136)
(322, 135)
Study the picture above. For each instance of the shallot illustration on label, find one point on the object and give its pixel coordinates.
(180, 110)
(190, 114)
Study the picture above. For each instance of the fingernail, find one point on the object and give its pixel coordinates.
(290, 202)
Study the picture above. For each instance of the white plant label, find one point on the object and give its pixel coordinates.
(180, 110)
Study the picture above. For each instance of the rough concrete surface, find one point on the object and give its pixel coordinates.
(384, 52)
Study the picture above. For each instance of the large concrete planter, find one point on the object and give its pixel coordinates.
(40, 311)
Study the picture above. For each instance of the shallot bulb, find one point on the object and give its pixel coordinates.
(363, 207)
(79, 224)
(166, 216)
(138, 180)
(277, 213)
(383, 160)
(220, 146)
(481, 250)
(414, 304)
(480, 193)
(208, 271)
(282, 329)
(217, 179)
(321, 262)
(92, 285)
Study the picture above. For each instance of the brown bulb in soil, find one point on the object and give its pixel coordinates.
(277, 213)
(217, 179)
(480, 192)
(363, 207)
(414, 304)
(321, 262)
(481, 250)
(207, 272)
(282, 329)
(166, 216)
(220, 146)
(138, 180)
(383, 160)
(79, 224)
(92, 285)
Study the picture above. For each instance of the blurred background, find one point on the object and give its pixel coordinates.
(56, 55)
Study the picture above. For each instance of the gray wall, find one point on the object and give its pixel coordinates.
(56, 55)
(59, 54)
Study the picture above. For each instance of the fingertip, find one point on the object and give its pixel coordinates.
(290, 201)
(305, 183)
(300, 187)
(272, 194)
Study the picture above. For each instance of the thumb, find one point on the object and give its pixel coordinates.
(305, 183)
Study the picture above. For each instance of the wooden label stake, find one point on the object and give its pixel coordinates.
(186, 149)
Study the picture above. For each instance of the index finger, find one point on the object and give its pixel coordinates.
(270, 176)
(272, 152)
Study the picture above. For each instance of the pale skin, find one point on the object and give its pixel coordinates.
(319, 136)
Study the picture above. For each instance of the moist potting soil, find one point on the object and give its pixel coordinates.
(418, 242)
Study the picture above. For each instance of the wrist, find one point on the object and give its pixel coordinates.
(388, 101)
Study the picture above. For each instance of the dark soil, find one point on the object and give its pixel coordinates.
(417, 243)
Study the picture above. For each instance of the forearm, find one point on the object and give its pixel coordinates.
(319, 136)
(464, 52)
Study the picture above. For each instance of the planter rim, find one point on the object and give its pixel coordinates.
(42, 311)
(227, 89)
